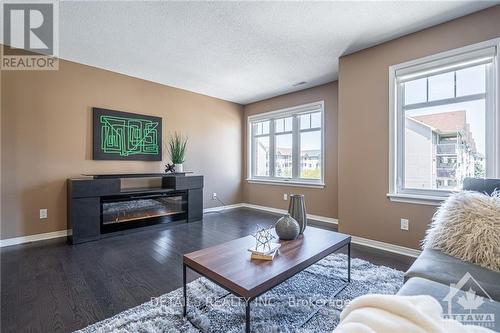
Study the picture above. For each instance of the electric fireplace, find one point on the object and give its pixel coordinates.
(129, 211)
(102, 205)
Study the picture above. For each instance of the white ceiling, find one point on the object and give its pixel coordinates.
(238, 51)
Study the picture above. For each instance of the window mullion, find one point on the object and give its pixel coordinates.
(426, 89)
(314, 129)
(445, 101)
(253, 156)
(455, 84)
(295, 147)
(272, 152)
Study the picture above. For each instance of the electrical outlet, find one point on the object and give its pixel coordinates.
(214, 196)
(43, 213)
(285, 196)
(405, 224)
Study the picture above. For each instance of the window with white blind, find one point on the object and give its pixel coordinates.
(286, 146)
(444, 122)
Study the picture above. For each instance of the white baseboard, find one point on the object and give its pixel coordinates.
(33, 238)
(284, 211)
(406, 251)
(323, 219)
(221, 208)
(357, 240)
(265, 208)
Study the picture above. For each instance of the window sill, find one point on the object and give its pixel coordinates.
(285, 183)
(416, 199)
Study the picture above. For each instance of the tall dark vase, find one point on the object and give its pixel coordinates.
(297, 210)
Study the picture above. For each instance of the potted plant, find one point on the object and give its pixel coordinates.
(177, 150)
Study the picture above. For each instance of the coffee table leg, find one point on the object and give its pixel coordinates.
(247, 317)
(349, 262)
(184, 291)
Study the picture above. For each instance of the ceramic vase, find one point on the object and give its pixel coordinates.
(287, 228)
(297, 210)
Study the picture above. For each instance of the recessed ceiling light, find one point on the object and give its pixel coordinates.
(300, 83)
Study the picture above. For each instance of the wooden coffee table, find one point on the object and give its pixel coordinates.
(229, 265)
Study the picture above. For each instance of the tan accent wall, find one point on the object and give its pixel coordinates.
(46, 137)
(364, 209)
(323, 201)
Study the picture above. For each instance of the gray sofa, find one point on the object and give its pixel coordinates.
(434, 271)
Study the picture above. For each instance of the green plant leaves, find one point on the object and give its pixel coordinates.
(177, 148)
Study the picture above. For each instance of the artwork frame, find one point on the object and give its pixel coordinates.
(126, 136)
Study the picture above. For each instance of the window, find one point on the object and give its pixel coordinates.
(286, 146)
(444, 122)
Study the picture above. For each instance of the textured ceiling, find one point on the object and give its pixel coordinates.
(238, 51)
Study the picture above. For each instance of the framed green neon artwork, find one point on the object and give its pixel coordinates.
(126, 136)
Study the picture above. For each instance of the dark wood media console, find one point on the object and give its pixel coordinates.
(98, 206)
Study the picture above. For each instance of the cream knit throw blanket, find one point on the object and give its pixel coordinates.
(399, 314)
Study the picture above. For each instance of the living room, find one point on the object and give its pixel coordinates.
(250, 166)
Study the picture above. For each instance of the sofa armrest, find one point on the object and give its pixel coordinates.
(439, 267)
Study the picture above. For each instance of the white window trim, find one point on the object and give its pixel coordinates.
(303, 108)
(435, 197)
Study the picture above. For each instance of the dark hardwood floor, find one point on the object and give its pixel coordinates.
(51, 286)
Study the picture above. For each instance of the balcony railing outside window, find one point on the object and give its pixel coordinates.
(446, 173)
(447, 148)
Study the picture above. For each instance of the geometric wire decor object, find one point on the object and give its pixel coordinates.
(126, 136)
(263, 238)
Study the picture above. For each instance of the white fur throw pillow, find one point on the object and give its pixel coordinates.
(467, 226)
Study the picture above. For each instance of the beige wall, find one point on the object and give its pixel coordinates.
(46, 138)
(364, 209)
(318, 201)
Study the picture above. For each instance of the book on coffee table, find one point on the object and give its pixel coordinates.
(264, 256)
(264, 251)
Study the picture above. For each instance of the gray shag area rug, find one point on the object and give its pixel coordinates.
(282, 309)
